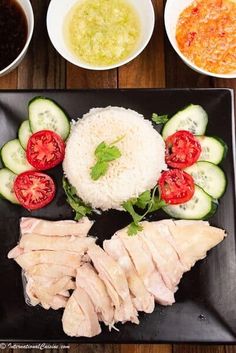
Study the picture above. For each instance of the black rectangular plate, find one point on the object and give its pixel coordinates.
(205, 309)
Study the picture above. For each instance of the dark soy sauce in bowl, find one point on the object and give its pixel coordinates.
(13, 31)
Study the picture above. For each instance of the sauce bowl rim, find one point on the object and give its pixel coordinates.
(167, 13)
(83, 64)
(29, 37)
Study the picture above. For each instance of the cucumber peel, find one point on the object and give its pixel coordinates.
(45, 114)
(192, 118)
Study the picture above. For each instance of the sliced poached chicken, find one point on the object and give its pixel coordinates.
(163, 254)
(193, 239)
(142, 259)
(142, 299)
(57, 228)
(88, 279)
(126, 277)
(79, 317)
(116, 284)
(68, 243)
(63, 258)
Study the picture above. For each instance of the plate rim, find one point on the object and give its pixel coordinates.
(70, 340)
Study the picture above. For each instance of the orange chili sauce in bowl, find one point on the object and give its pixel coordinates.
(206, 35)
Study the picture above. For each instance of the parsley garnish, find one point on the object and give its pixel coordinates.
(146, 200)
(159, 119)
(104, 154)
(80, 208)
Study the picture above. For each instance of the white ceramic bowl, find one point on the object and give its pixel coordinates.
(173, 9)
(57, 11)
(27, 8)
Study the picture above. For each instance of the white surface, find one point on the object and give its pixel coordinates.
(58, 10)
(173, 9)
(26, 6)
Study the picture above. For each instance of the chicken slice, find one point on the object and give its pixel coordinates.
(193, 240)
(185, 222)
(47, 281)
(63, 258)
(145, 267)
(29, 290)
(57, 228)
(48, 291)
(116, 300)
(41, 242)
(65, 293)
(57, 302)
(16, 251)
(114, 278)
(51, 271)
(105, 264)
(142, 299)
(79, 318)
(88, 279)
(164, 231)
(163, 254)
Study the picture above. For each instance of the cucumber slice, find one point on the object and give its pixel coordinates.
(201, 206)
(24, 133)
(44, 114)
(14, 157)
(6, 185)
(213, 149)
(209, 177)
(193, 119)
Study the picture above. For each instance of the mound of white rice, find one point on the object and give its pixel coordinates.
(138, 168)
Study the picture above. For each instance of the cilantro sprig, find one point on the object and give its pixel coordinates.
(159, 119)
(147, 200)
(80, 208)
(104, 154)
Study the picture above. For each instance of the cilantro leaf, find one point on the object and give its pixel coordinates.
(98, 170)
(104, 153)
(128, 206)
(134, 228)
(159, 119)
(143, 199)
(157, 204)
(80, 208)
(100, 149)
(110, 154)
(147, 200)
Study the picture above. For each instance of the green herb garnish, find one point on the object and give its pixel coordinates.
(134, 229)
(104, 154)
(143, 199)
(99, 169)
(146, 200)
(159, 119)
(80, 208)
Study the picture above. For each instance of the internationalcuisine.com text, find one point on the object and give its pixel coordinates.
(40, 346)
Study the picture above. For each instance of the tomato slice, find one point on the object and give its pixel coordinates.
(34, 190)
(182, 149)
(176, 186)
(45, 150)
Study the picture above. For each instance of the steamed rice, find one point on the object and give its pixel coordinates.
(142, 156)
